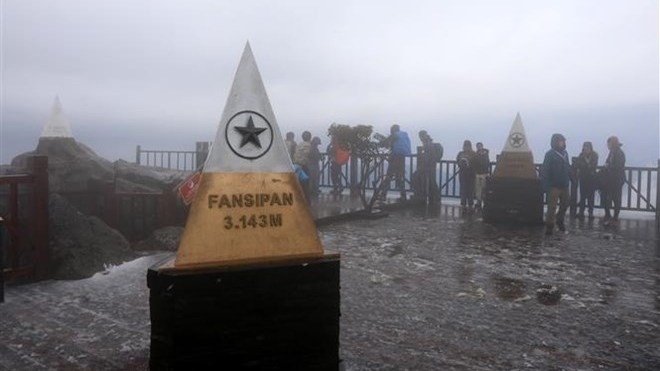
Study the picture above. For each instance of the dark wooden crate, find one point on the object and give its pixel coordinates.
(513, 200)
(268, 317)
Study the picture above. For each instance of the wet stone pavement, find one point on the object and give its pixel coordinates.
(420, 291)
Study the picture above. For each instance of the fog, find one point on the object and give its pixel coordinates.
(157, 73)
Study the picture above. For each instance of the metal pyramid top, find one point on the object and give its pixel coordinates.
(517, 139)
(57, 125)
(248, 138)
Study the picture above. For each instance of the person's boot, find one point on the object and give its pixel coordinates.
(581, 213)
(549, 229)
(561, 226)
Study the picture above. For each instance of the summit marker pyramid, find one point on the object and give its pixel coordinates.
(57, 125)
(516, 159)
(249, 206)
(517, 139)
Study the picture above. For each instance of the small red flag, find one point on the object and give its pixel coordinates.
(188, 188)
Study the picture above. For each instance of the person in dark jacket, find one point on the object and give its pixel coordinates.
(482, 167)
(466, 164)
(587, 163)
(555, 177)
(426, 166)
(314, 166)
(614, 179)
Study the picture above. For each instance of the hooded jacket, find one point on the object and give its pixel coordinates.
(556, 169)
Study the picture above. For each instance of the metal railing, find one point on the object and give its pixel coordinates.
(640, 192)
(173, 159)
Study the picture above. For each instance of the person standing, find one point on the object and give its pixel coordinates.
(482, 170)
(301, 157)
(314, 166)
(290, 144)
(338, 156)
(615, 177)
(428, 159)
(466, 164)
(587, 163)
(399, 148)
(303, 151)
(555, 177)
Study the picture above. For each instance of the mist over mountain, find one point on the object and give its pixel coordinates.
(636, 126)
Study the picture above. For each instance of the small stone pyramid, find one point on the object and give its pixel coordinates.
(516, 159)
(57, 125)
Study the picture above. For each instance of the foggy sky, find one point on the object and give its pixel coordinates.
(157, 73)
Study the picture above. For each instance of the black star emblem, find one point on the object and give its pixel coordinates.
(517, 140)
(250, 133)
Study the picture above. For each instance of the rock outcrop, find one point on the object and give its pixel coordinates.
(70, 164)
(167, 238)
(82, 245)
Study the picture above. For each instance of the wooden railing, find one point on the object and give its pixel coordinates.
(134, 214)
(24, 208)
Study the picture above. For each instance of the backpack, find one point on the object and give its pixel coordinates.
(342, 156)
(401, 145)
(437, 152)
(464, 162)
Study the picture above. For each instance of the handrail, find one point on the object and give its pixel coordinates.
(639, 179)
(16, 178)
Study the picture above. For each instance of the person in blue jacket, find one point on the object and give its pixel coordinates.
(555, 177)
(399, 148)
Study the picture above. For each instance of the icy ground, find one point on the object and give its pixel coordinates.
(452, 293)
(419, 292)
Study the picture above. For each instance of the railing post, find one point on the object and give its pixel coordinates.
(167, 206)
(39, 168)
(137, 154)
(353, 175)
(202, 149)
(574, 188)
(2, 262)
(657, 196)
(109, 204)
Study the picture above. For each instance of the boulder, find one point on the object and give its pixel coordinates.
(70, 164)
(82, 245)
(152, 178)
(167, 238)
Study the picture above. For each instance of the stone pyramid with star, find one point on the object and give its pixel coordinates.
(516, 159)
(249, 207)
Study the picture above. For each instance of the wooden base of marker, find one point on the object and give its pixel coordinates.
(282, 316)
(513, 200)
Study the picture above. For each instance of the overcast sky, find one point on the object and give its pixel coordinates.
(157, 73)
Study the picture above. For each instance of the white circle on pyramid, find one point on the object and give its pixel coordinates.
(249, 135)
